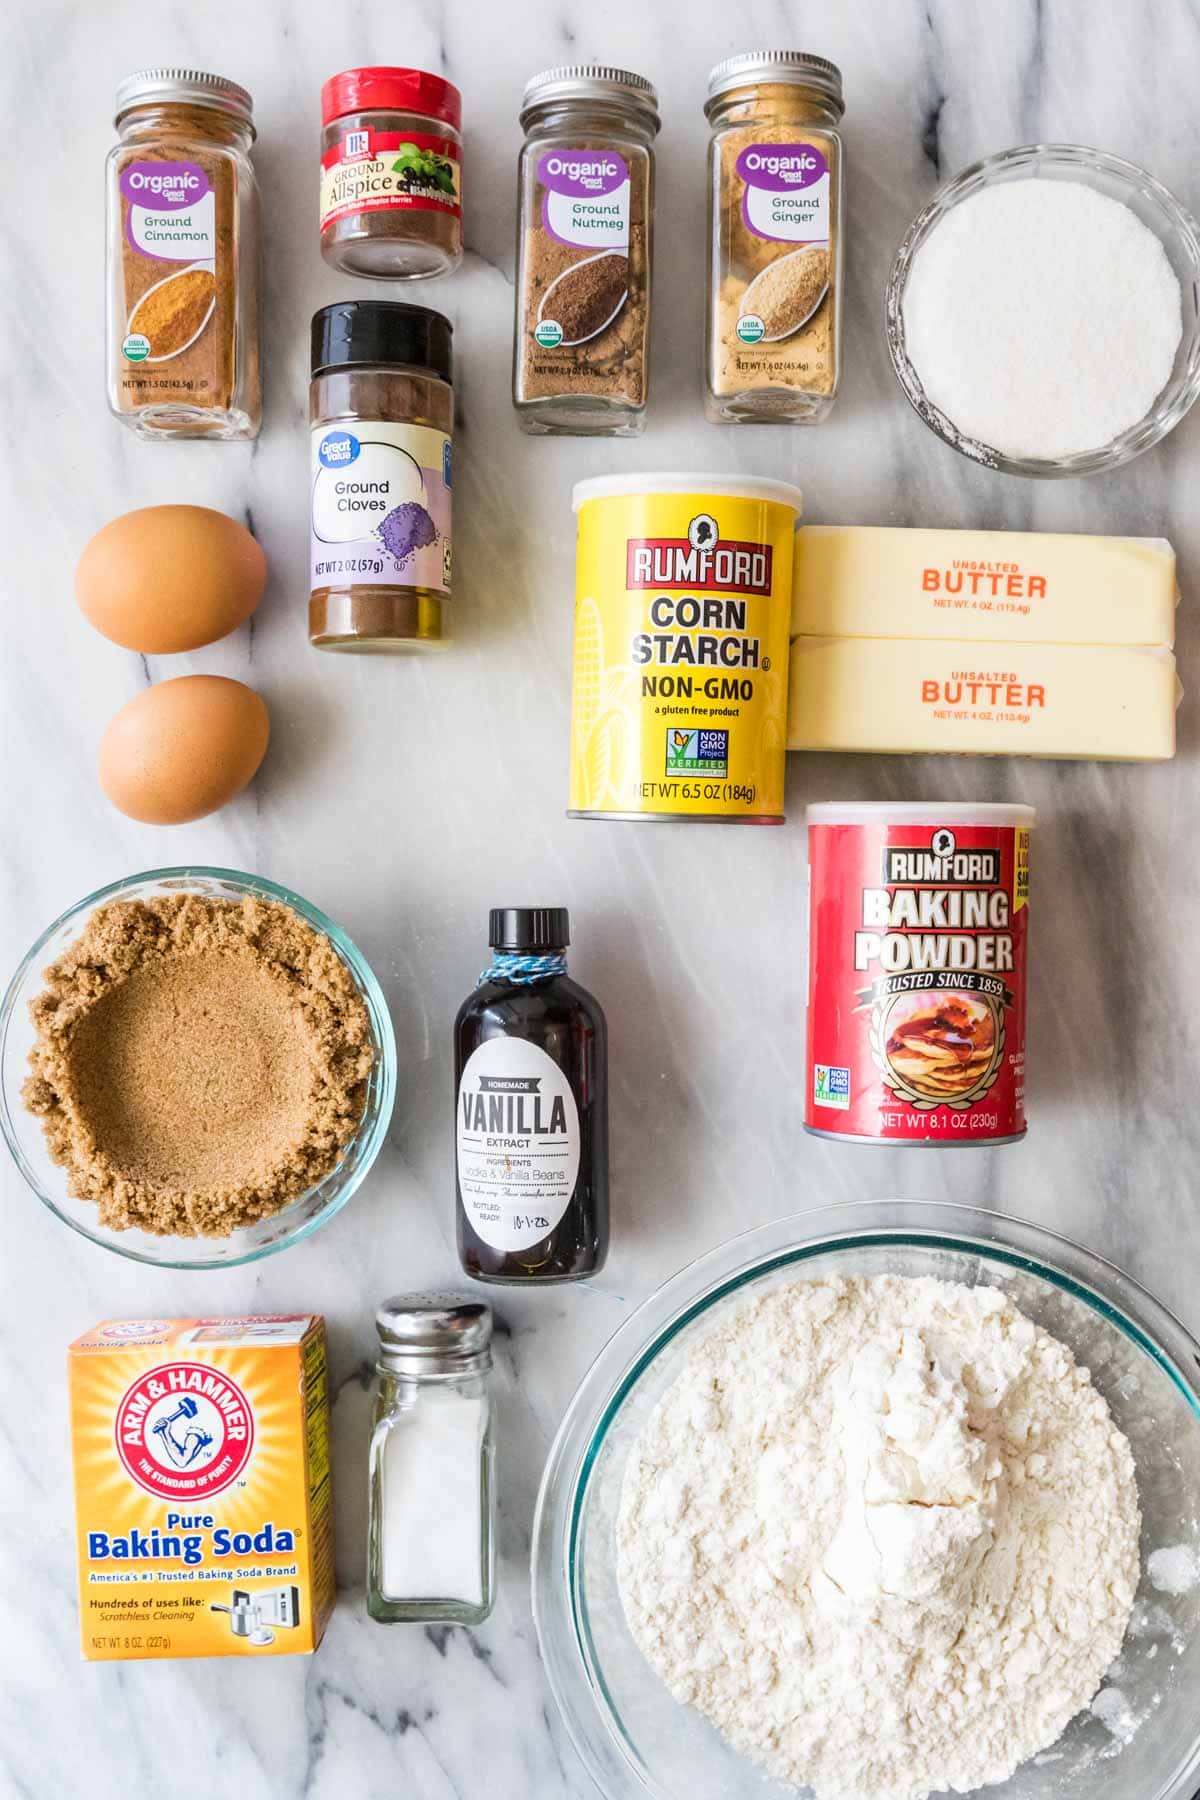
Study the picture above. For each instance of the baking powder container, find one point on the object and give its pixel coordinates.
(683, 600)
(918, 919)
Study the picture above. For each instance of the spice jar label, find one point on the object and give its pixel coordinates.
(586, 198)
(518, 1143)
(380, 171)
(381, 505)
(171, 214)
(785, 193)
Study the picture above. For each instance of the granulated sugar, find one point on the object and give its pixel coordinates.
(1042, 318)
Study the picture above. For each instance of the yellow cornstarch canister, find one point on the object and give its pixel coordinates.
(683, 597)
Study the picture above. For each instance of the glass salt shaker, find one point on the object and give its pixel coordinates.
(431, 1534)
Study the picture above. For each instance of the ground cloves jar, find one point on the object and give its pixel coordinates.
(381, 412)
(391, 173)
(183, 258)
(775, 238)
(585, 209)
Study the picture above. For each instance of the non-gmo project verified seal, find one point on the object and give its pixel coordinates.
(831, 1087)
(697, 752)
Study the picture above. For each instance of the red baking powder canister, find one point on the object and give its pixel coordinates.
(918, 918)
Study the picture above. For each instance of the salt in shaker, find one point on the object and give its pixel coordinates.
(431, 1540)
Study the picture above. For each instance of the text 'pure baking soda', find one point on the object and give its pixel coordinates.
(918, 918)
(683, 600)
(202, 1487)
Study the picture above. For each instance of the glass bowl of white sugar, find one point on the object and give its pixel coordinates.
(727, 1607)
(1043, 311)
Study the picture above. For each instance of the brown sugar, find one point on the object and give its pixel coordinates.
(199, 1063)
(173, 312)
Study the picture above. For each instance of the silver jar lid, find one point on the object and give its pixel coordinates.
(187, 87)
(796, 66)
(434, 1334)
(590, 81)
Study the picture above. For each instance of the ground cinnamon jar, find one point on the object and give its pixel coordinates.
(391, 174)
(183, 253)
(583, 252)
(381, 408)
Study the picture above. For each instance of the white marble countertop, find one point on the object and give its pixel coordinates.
(406, 797)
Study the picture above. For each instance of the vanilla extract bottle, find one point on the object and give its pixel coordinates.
(531, 1116)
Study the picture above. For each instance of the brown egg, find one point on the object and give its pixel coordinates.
(170, 578)
(183, 749)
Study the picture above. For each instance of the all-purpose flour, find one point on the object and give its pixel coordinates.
(883, 1533)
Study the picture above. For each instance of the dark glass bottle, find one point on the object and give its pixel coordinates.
(531, 1110)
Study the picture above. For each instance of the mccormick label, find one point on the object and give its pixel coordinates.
(681, 646)
(917, 951)
(390, 171)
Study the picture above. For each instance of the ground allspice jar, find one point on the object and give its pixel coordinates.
(585, 205)
(391, 173)
(381, 412)
(775, 238)
(531, 1110)
(183, 256)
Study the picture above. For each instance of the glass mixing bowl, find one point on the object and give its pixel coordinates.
(1154, 205)
(23, 1132)
(633, 1737)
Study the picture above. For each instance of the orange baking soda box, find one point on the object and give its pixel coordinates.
(202, 1489)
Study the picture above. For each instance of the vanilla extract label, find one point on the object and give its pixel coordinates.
(518, 1142)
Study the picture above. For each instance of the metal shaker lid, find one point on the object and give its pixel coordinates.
(434, 1334)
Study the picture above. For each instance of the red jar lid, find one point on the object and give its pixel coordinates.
(391, 90)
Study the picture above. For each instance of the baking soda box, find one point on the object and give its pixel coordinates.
(202, 1490)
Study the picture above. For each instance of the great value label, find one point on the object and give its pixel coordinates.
(917, 955)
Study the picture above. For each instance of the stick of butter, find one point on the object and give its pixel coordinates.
(896, 695)
(1017, 586)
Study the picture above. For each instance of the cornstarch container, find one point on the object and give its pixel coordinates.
(683, 599)
(918, 920)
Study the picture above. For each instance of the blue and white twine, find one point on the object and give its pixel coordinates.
(509, 965)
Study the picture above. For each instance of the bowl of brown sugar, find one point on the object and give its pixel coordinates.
(197, 1067)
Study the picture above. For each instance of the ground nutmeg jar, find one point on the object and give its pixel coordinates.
(391, 173)
(586, 192)
(183, 255)
(381, 411)
(775, 238)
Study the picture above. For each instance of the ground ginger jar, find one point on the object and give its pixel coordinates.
(775, 223)
(183, 255)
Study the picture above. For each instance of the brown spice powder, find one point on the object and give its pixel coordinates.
(199, 1063)
(806, 361)
(786, 292)
(172, 313)
(587, 296)
(613, 363)
(224, 360)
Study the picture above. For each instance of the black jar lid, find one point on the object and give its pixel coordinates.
(375, 332)
(533, 928)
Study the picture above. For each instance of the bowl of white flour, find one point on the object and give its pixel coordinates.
(881, 1502)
